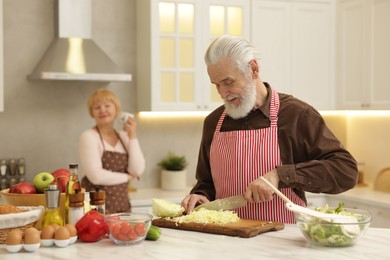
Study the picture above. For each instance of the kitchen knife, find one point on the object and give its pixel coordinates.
(224, 204)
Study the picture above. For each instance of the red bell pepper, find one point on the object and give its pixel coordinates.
(91, 227)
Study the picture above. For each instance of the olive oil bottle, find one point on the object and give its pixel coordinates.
(52, 213)
(73, 186)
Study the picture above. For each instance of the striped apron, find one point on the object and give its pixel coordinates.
(239, 157)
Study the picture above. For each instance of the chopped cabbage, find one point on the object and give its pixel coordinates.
(325, 233)
(205, 216)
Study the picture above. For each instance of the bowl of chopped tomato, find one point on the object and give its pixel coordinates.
(128, 228)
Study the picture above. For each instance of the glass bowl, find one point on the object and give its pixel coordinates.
(333, 234)
(128, 228)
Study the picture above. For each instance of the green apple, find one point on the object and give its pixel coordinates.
(42, 181)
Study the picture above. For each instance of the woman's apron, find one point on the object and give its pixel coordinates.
(239, 157)
(117, 199)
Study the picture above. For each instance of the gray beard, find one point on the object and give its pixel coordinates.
(248, 101)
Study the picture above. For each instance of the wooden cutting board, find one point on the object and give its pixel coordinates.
(244, 228)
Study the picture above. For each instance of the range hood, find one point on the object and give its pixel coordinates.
(74, 55)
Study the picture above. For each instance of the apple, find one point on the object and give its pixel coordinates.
(61, 182)
(60, 172)
(61, 177)
(23, 188)
(42, 181)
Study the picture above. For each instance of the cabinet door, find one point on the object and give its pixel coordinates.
(271, 34)
(312, 70)
(379, 54)
(352, 66)
(1, 59)
(364, 58)
(172, 37)
(296, 44)
(224, 17)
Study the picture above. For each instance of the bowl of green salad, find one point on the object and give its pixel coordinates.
(334, 232)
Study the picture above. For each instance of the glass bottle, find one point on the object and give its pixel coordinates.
(21, 167)
(52, 212)
(76, 207)
(73, 185)
(3, 167)
(98, 201)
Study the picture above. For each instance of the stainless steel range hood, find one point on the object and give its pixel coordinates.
(74, 55)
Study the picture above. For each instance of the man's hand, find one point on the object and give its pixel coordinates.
(258, 190)
(191, 201)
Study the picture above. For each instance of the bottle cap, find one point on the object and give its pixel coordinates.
(52, 194)
(73, 166)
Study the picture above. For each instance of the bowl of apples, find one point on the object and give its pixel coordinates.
(32, 194)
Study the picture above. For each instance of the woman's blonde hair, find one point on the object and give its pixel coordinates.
(103, 95)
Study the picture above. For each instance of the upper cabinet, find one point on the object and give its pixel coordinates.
(296, 44)
(1, 59)
(363, 56)
(172, 37)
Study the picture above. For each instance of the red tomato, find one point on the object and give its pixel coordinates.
(140, 229)
(132, 235)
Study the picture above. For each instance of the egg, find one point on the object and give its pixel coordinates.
(72, 230)
(48, 232)
(62, 233)
(14, 237)
(32, 236)
(55, 225)
(62, 237)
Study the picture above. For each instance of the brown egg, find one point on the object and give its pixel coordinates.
(56, 226)
(48, 232)
(72, 230)
(32, 236)
(62, 233)
(14, 237)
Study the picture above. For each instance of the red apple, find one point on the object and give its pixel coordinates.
(60, 172)
(61, 182)
(23, 188)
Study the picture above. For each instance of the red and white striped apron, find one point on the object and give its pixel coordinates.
(240, 157)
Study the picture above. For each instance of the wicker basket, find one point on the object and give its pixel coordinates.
(4, 232)
(22, 220)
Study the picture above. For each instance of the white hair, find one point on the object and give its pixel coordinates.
(235, 49)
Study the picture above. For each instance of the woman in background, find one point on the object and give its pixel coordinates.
(110, 158)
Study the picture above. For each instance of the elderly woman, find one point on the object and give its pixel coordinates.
(110, 158)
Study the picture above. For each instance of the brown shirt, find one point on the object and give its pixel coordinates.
(313, 159)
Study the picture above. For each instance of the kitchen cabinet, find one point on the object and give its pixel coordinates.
(363, 56)
(1, 59)
(172, 37)
(296, 42)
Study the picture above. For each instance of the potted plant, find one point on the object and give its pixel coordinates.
(173, 172)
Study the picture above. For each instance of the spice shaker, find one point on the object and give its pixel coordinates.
(98, 201)
(76, 207)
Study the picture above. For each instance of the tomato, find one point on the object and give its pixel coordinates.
(140, 229)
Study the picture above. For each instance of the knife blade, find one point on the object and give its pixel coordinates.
(224, 204)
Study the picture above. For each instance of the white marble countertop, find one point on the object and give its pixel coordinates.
(288, 243)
